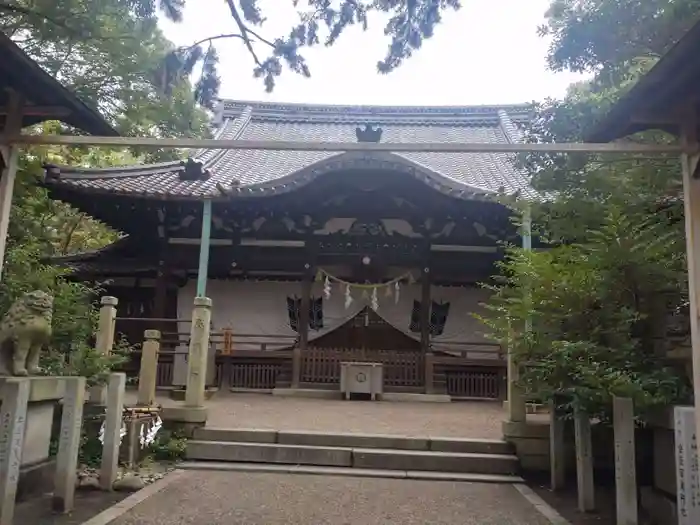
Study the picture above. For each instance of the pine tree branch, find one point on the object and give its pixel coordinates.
(244, 31)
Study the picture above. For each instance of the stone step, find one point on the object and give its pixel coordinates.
(325, 439)
(350, 471)
(369, 458)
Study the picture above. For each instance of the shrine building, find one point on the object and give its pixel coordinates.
(311, 258)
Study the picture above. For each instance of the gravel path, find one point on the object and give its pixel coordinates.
(237, 498)
(475, 419)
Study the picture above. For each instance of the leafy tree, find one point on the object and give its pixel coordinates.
(409, 23)
(606, 35)
(106, 51)
(578, 316)
(584, 317)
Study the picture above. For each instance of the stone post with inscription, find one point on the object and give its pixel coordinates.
(687, 481)
(198, 353)
(584, 461)
(149, 368)
(625, 462)
(557, 444)
(104, 341)
(192, 413)
(112, 433)
(36, 466)
(13, 421)
(69, 445)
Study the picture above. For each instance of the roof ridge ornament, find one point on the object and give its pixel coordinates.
(193, 170)
(369, 133)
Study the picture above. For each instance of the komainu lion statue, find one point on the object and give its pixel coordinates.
(24, 330)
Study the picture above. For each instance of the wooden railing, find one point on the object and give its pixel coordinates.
(263, 362)
(253, 369)
(474, 383)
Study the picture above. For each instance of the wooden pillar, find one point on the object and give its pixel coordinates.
(516, 399)
(303, 326)
(425, 331)
(9, 155)
(161, 292)
(691, 202)
(204, 242)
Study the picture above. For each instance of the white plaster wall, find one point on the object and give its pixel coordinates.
(260, 308)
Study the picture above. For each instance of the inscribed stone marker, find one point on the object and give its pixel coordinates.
(584, 461)
(557, 456)
(625, 462)
(69, 445)
(113, 426)
(13, 419)
(687, 483)
(148, 371)
(198, 353)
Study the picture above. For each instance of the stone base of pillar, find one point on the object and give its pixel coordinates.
(184, 418)
(531, 441)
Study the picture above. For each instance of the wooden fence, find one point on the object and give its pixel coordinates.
(402, 368)
(266, 363)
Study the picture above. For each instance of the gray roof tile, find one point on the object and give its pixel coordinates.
(261, 172)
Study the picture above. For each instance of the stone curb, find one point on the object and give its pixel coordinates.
(349, 471)
(116, 511)
(541, 505)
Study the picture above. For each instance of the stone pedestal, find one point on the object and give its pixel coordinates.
(531, 441)
(36, 469)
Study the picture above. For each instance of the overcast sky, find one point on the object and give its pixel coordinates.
(486, 53)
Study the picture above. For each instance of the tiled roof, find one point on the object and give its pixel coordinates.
(249, 173)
